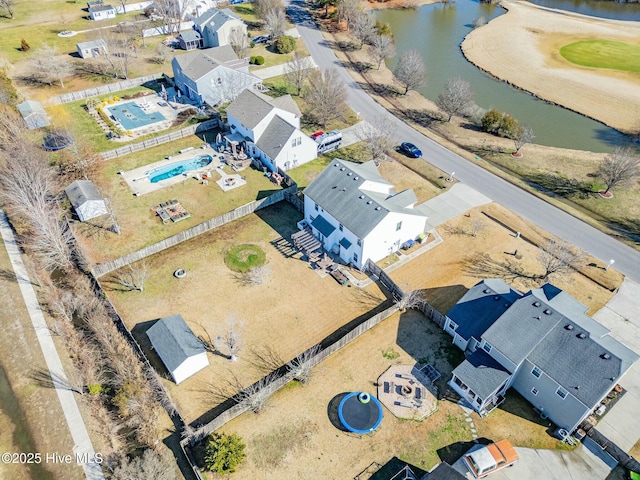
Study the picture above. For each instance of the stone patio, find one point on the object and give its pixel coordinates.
(407, 392)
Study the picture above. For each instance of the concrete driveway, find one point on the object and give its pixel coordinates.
(548, 465)
(621, 424)
(459, 199)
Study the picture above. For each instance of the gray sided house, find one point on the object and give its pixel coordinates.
(86, 200)
(354, 212)
(216, 27)
(102, 12)
(33, 114)
(541, 343)
(212, 76)
(179, 349)
(92, 49)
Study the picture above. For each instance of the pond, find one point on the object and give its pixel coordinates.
(437, 30)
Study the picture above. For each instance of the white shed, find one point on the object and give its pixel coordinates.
(94, 48)
(86, 200)
(179, 349)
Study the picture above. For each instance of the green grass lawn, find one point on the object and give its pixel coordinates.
(271, 58)
(603, 54)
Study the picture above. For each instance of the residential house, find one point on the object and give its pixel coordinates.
(396, 469)
(541, 343)
(212, 76)
(86, 200)
(102, 12)
(92, 49)
(269, 128)
(356, 214)
(180, 350)
(217, 27)
(33, 114)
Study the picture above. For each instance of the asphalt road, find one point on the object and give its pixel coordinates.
(589, 239)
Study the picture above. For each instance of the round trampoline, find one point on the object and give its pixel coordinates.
(360, 412)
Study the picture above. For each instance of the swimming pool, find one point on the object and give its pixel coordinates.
(178, 168)
(131, 116)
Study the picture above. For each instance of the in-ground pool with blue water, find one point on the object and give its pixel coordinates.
(178, 168)
(131, 116)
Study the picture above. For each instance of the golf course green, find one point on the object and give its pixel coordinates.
(603, 54)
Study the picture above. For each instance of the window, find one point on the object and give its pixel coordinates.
(536, 372)
(355, 257)
(478, 400)
(359, 242)
(534, 390)
(341, 227)
(487, 347)
(452, 325)
(316, 207)
(562, 393)
(296, 141)
(398, 226)
(219, 81)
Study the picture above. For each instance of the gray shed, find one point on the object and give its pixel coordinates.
(86, 200)
(33, 114)
(179, 349)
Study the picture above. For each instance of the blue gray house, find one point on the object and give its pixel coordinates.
(179, 349)
(217, 27)
(541, 343)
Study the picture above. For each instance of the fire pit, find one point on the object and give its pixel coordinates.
(407, 390)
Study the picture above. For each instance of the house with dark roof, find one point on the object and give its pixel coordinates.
(396, 469)
(541, 343)
(269, 129)
(212, 76)
(86, 200)
(356, 214)
(217, 27)
(179, 349)
(102, 12)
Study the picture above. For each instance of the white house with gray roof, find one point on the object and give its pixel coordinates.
(180, 350)
(212, 76)
(86, 200)
(270, 130)
(356, 213)
(217, 27)
(541, 343)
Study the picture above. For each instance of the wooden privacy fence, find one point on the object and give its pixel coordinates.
(107, 267)
(104, 90)
(166, 138)
(385, 279)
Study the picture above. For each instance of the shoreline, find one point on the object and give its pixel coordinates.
(530, 61)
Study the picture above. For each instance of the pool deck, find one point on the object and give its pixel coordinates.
(140, 183)
(151, 104)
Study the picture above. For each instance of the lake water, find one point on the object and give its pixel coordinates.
(436, 31)
(596, 8)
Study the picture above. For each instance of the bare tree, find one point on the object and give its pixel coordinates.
(559, 257)
(377, 137)
(232, 338)
(619, 169)
(118, 52)
(409, 299)
(49, 67)
(239, 42)
(348, 11)
(327, 96)
(275, 23)
(300, 367)
(477, 226)
(261, 8)
(51, 240)
(162, 54)
(132, 277)
(8, 6)
(410, 71)
(148, 466)
(258, 275)
(382, 47)
(171, 13)
(124, 5)
(456, 97)
(298, 70)
(364, 27)
(255, 397)
(523, 136)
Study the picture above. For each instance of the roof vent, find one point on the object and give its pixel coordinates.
(486, 290)
(507, 304)
(538, 317)
(547, 311)
(581, 335)
(356, 178)
(342, 169)
(369, 202)
(334, 187)
(343, 189)
(335, 164)
(536, 304)
(377, 208)
(605, 356)
(361, 197)
(568, 327)
(349, 174)
(496, 297)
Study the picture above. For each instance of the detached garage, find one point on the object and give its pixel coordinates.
(86, 200)
(179, 349)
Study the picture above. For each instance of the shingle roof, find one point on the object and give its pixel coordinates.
(481, 373)
(476, 311)
(174, 341)
(287, 103)
(444, 471)
(198, 63)
(100, 43)
(341, 189)
(275, 137)
(100, 8)
(215, 18)
(190, 35)
(81, 191)
(250, 108)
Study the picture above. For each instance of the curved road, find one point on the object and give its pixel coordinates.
(589, 239)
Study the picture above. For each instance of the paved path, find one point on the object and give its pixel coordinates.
(83, 446)
(278, 70)
(528, 206)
